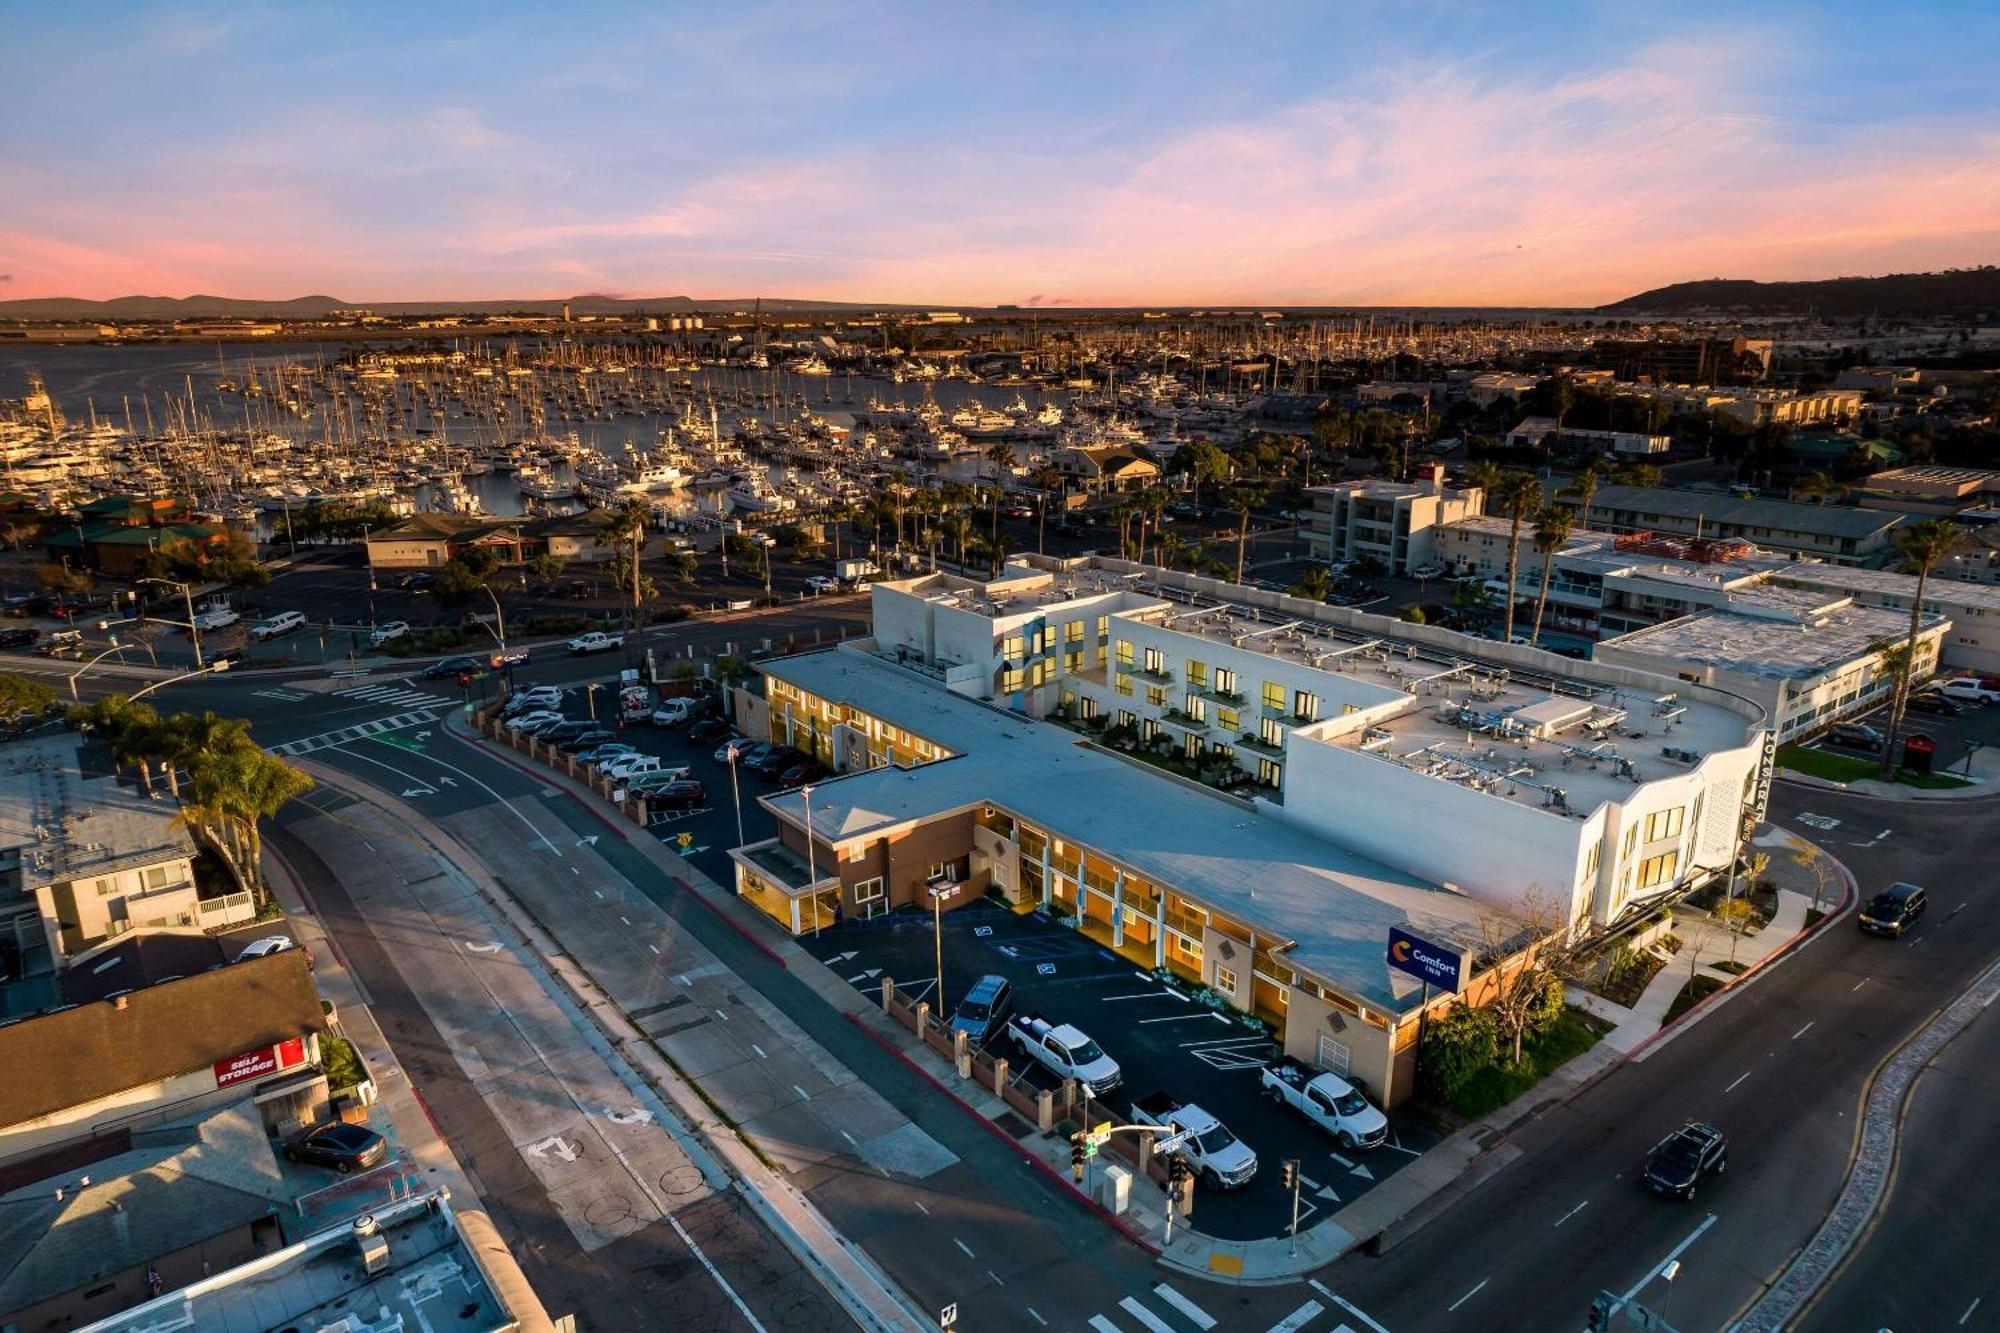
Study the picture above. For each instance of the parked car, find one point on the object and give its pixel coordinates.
(599, 755)
(682, 795)
(984, 1010)
(584, 740)
(628, 766)
(659, 777)
(531, 719)
(1937, 705)
(1066, 1051)
(802, 772)
(267, 946)
(541, 696)
(341, 1147)
(541, 730)
(1969, 690)
(1221, 1161)
(743, 746)
(395, 629)
(271, 627)
(769, 759)
(566, 729)
(1329, 1101)
(1679, 1162)
(22, 607)
(416, 582)
(820, 584)
(1893, 910)
(1856, 736)
(708, 729)
(673, 712)
(19, 638)
(449, 666)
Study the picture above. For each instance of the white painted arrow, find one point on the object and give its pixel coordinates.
(869, 975)
(1324, 1191)
(487, 947)
(420, 735)
(419, 791)
(590, 841)
(554, 1144)
(448, 782)
(636, 1115)
(1355, 1167)
(842, 957)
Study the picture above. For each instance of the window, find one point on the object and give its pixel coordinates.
(1229, 719)
(1072, 662)
(1127, 718)
(1196, 707)
(1655, 870)
(1010, 647)
(1631, 841)
(1225, 681)
(1124, 686)
(1103, 627)
(1155, 661)
(1197, 673)
(1274, 696)
(1664, 823)
(1156, 695)
(1012, 680)
(1192, 749)
(1073, 632)
(156, 877)
(944, 870)
(1225, 979)
(1271, 732)
(106, 887)
(1125, 654)
(1305, 704)
(1148, 728)
(868, 891)
(1268, 772)
(1592, 858)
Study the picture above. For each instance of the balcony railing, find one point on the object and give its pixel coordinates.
(1250, 740)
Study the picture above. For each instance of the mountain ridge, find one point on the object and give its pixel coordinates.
(1953, 291)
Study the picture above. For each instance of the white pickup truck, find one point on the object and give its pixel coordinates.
(1329, 1101)
(1066, 1051)
(1221, 1161)
(597, 641)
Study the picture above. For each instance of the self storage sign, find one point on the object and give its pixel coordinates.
(256, 1064)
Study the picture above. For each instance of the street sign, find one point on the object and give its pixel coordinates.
(686, 840)
(1099, 1133)
(948, 1317)
(1435, 963)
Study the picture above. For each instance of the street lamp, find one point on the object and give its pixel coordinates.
(187, 595)
(214, 669)
(736, 791)
(812, 865)
(590, 696)
(939, 894)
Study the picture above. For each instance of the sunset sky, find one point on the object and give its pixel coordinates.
(1312, 153)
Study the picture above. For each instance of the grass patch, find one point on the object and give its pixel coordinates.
(1731, 966)
(1847, 768)
(1698, 989)
(343, 1066)
(1492, 1088)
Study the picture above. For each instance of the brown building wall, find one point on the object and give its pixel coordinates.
(121, 1291)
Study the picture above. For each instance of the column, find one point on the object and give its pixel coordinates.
(1048, 889)
(1117, 909)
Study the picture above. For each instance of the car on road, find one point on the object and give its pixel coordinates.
(1221, 1161)
(1893, 911)
(1937, 705)
(341, 1147)
(416, 582)
(985, 1008)
(706, 730)
(19, 638)
(1682, 1160)
(272, 627)
(531, 719)
(1856, 736)
(820, 585)
(265, 947)
(1066, 1051)
(1329, 1101)
(449, 666)
(394, 629)
(597, 641)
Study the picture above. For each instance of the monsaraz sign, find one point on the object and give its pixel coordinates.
(1440, 966)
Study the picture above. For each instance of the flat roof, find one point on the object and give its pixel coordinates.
(1783, 515)
(67, 827)
(1334, 905)
(1762, 645)
(1949, 591)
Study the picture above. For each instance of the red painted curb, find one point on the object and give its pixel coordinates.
(1093, 1205)
(425, 1107)
(508, 755)
(736, 926)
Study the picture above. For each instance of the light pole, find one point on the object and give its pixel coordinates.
(736, 792)
(812, 863)
(590, 697)
(187, 595)
(939, 893)
(214, 670)
(1667, 1275)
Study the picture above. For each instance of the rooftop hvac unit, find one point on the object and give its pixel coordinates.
(372, 1244)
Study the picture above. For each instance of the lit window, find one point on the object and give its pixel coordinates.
(1155, 661)
(1197, 674)
(1156, 695)
(1124, 686)
(1225, 681)
(1274, 696)
(1125, 653)
(1656, 870)
(1197, 707)
(1305, 704)
(1228, 719)
(1225, 979)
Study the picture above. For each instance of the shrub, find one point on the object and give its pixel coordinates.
(1457, 1046)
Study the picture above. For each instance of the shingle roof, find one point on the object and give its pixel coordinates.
(1784, 515)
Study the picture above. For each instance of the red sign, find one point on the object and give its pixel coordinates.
(264, 1060)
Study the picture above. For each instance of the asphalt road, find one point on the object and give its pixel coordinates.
(1780, 1066)
(1929, 1261)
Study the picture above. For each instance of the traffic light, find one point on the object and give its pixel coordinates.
(1600, 1314)
(1290, 1175)
(1177, 1177)
(1076, 1156)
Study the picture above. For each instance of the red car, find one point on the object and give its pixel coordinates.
(678, 795)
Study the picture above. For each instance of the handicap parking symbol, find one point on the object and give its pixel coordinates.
(1045, 969)
(981, 932)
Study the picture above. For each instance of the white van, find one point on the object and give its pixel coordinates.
(1969, 690)
(285, 622)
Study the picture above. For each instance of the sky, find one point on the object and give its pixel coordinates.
(1328, 152)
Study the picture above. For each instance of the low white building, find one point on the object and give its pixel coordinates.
(1393, 522)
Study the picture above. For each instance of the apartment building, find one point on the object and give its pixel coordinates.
(1534, 432)
(1971, 637)
(1395, 523)
(1297, 772)
(1840, 534)
(1685, 360)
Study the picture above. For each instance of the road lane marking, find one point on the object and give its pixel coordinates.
(1150, 1321)
(1672, 1255)
(1468, 1295)
(1802, 1031)
(804, 1096)
(626, 919)
(1572, 1212)
(920, 1207)
(760, 1051)
(1739, 1078)
(850, 1138)
(1857, 985)
(1038, 1319)
(1344, 1303)
(713, 1272)
(1970, 1308)
(1193, 1313)
(655, 948)
(1299, 1318)
(963, 1246)
(998, 1283)
(724, 1017)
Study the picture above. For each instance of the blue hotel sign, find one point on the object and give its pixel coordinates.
(1440, 966)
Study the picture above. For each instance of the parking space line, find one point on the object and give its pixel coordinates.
(1144, 995)
(1038, 1319)
(963, 1246)
(1103, 1325)
(1182, 1018)
(1468, 1295)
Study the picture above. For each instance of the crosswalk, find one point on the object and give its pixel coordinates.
(286, 696)
(359, 731)
(392, 694)
(1171, 1311)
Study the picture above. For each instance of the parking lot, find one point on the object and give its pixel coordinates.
(1975, 729)
(1161, 1038)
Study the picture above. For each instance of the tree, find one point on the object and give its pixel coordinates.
(626, 527)
(22, 697)
(18, 534)
(1315, 584)
(456, 583)
(1458, 1044)
(190, 740)
(547, 567)
(1584, 487)
(1552, 528)
(1244, 501)
(1049, 481)
(1922, 546)
(1524, 952)
(1517, 494)
(132, 730)
(958, 527)
(1001, 455)
(62, 580)
(686, 563)
(1642, 474)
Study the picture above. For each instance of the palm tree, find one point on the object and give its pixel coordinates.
(1486, 476)
(1244, 500)
(1314, 585)
(1643, 474)
(1517, 493)
(1922, 546)
(191, 739)
(958, 527)
(1048, 480)
(132, 730)
(628, 523)
(1584, 487)
(1002, 457)
(254, 785)
(1552, 528)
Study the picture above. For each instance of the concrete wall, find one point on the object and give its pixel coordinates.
(416, 553)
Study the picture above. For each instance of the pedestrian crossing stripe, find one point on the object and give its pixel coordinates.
(388, 694)
(1199, 1317)
(359, 731)
(289, 696)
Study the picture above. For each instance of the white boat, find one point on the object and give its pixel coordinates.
(753, 493)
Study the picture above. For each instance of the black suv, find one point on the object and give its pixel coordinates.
(1678, 1162)
(1894, 910)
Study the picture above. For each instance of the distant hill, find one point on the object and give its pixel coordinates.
(1956, 291)
(316, 307)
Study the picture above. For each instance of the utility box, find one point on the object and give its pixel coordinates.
(1114, 1189)
(1919, 754)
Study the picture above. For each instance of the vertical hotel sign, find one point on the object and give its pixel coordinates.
(256, 1064)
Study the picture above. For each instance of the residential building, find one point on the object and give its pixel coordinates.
(1393, 522)
(1964, 493)
(1841, 534)
(1971, 639)
(1805, 656)
(1246, 775)
(1675, 360)
(83, 860)
(1784, 407)
(1485, 390)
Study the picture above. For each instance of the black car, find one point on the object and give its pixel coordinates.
(1893, 911)
(1930, 701)
(1678, 1162)
(18, 638)
(451, 666)
(770, 763)
(562, 731)
(585, 740)
(1856, 736)
(342, 1147)
(707, 730)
